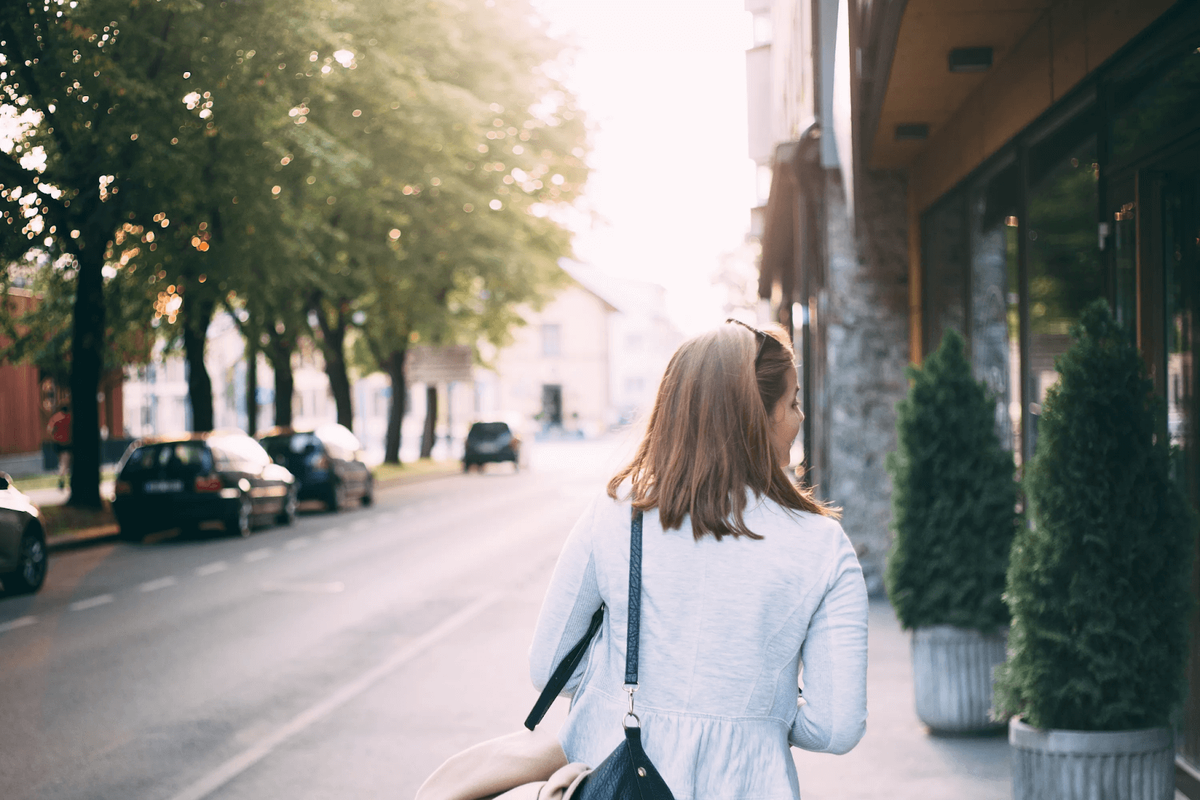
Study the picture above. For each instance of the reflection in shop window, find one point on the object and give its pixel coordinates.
(1181, 229)
(1156, 101)
(995, 298)
(1066, 270)
(944, 268)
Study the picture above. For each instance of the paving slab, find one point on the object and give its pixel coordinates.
(899, 758)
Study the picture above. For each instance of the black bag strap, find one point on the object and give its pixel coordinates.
(635, 600)
(562, 673)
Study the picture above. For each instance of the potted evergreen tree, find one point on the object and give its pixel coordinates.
(1098, 585)
(954, 515)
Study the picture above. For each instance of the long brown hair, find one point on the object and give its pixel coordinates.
(709, 435)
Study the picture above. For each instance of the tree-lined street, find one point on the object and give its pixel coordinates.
(358, 178)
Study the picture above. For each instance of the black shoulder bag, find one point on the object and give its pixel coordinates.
(627, 773)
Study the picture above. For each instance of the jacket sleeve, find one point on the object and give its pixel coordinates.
(571, 600)
(832, 713)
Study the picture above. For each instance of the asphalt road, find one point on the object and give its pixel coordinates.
(343, 657)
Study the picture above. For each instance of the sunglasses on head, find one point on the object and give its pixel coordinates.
(760, 334)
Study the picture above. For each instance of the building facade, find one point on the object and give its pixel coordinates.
(989, 167)
(554, 379)
(29, 398)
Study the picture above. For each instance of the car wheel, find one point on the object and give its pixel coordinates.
(239, 523)
(31, 564)
(368, 496)
(131, 531)
(288, 515)
(335, 496)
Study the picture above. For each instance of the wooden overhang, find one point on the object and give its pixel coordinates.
(907, 71)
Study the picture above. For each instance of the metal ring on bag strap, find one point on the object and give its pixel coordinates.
(625, 720)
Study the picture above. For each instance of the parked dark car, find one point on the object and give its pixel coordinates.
(186, 480)
(327, 462)
(22, 541)
(490, 442)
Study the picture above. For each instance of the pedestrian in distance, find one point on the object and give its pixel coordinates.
(753, 609)
(60, 435)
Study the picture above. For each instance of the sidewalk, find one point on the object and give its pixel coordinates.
(898, 759)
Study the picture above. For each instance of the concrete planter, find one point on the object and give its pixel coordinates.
(1090, 765)
(952, 677)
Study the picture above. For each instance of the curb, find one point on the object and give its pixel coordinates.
(108, 534)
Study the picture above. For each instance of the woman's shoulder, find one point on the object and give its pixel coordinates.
(603, 511)
(809, 526)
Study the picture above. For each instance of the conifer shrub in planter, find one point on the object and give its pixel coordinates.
(1098, 585)
(954, 515)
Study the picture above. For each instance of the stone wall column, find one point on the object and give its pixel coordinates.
(866, 354)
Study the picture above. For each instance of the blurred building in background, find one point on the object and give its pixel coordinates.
(554, 379)
(29, 398)
(988, 167)
(588, 361)
(642, 339)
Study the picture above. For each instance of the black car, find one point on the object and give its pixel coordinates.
(186, 480)
(22, 541)
(327, 462)
(489, 442)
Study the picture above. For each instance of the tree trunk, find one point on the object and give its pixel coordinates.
(333, 347)
(428, 437)
(251, 385)
(87, 362)
(396, 410)
(197, 313)
(280, 356)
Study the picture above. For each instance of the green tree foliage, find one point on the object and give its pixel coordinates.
(86, 94)
(383, 170)
(1098, 584)
(1066, 267)
(468, 147)
(953, 499)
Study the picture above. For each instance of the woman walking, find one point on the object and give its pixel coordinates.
(749, 588)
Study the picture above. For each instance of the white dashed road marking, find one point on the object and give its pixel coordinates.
(330, 534)
(257, 555)
(209, 569)
(19, 622)
(296, 544)
(160, 583)
(91, 602)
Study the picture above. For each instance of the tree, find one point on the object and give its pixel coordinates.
(189, 157)
(483, 144)
(954, 499)
(1099, 584)
(84, 80)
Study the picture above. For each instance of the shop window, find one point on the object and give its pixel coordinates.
(1066, 268)
(993, 205)
(551, 340)
(1156, 100)
(1181, 254)
(944, 270)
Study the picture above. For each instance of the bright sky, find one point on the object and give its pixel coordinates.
(664, 85)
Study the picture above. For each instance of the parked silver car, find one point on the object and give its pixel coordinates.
(22, 541)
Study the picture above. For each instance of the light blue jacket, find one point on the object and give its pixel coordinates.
(725, 628)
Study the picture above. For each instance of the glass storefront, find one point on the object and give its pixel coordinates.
(1066, 271)
(992, 207)
(946, 281)
(1099, 198)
